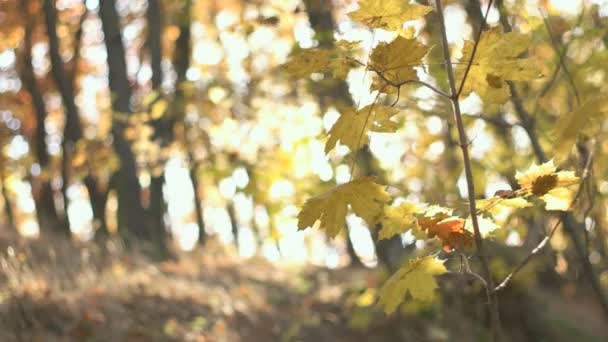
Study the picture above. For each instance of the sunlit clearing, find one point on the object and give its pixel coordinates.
(342, 174)
(80, 212)
(247, 242)
(207, 53)
(362, 241)
(270, 251)
(179, 195)
(29, 228)
(456, 20)
(281, 189)
(17, 148)
(186, 236)
(217, 222)
(227, 187)
(568, 7)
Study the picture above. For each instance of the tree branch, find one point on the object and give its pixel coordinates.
(464, 145)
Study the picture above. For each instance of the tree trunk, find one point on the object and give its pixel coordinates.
(72, 131)
(156, 209)
(46, 210)
(8, 209)
(198, 207)
(131, 215)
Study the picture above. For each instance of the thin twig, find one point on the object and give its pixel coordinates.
(475, 45)
(493, 302)
(369, 114)
(560, 56)
(548, 237)
(398, 85)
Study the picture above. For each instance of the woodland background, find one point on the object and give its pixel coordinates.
(155, 155)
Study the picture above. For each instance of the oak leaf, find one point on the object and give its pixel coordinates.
(364, 195)
(417, 277)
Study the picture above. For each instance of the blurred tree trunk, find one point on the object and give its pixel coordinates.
(233, 223)
(131, 214)
(72, 131)
(156, 209)
(181, 60)
(321, 21)
(8, 209)
(46, 210)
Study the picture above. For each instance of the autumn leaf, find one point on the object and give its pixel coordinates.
(439, 222)
(387, 14)
(364, 195)
(337, 60)
(353, 125)
(497, 60)
(496, 204)
(572, 124)
(549, 185)
(417, 277)
(396, 60)
(398, 219)
(486, 225)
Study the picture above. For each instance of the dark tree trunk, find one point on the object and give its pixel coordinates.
(72, 130)
(46, 210)
(233, 223)
(198, 206)
(156, 209)
(131, 214)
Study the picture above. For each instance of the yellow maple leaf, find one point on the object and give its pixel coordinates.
(398, 219)
(495, 205)
(396, 60)
(486, 225)
(364, 195)
(417, 277)
(301, 63)
(497, 60)
(387, 14)
(551, 186)
(353, 125)
(570, 125)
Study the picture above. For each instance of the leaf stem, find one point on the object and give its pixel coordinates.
(464, 145)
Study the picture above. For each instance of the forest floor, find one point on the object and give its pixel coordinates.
(80, 293)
